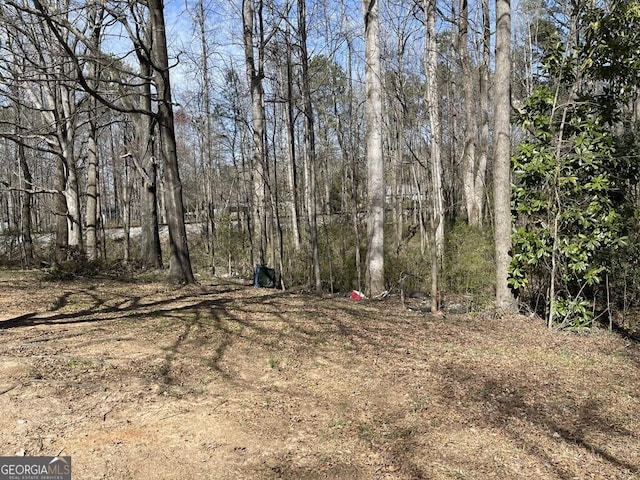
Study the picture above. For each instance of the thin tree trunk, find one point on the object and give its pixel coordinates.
(92, 191)
(470, 163)
(26, 198)
(309, 147)
(483, 154)
(291, 150)
(208, 138)
(25, 214)
(433, 104)
(95, 19)
(126, 211)
(254, 77)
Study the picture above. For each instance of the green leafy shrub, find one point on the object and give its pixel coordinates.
(568, 211)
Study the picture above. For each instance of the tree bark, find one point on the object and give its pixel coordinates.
(254, 77)
(375, 162)
(26, 185)
(207, 140)
(91, 216)
(92, 191)
(502, 162)
(309, 148)
(147, 166)
(433, 104)
(25, 212)
(62, 233)
(289, 123)
(180, 270)
(483, 153)
(470, 160)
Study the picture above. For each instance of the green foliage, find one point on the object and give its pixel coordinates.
(574, 171)
(567, 218)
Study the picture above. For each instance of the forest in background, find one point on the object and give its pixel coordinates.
(347, 144)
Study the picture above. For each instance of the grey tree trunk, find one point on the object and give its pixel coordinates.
(180, 270)
(483, 153)
(207, 140)
(502, 161)
(26, 186)
(309, 148)
(92, 191)
(375, 162)
(254, 77)
(470, 161)
(126, 210)
(62, 233)
(91, 215)
(292, 171)
(433, 104)
(147, 166)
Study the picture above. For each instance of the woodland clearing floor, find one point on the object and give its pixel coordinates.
(143, 381)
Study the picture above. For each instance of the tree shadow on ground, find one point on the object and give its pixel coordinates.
(203, 327)
(507, 401)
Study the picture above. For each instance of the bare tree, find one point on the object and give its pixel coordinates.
(180, 270)
(207, 135)
(473, 170)
(375, 162)
(435, 128)
(309, 147)
(289, 126)
(502, 162)
(255, 74)
(483, 142)
(95, 15)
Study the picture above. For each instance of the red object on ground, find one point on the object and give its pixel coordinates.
(356, 295)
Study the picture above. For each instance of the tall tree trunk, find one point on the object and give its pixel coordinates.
(126, 210)
(92, 190)
(95, 15)
(309, 147)
(289, 125)
(180, 270)
(209, 176)
(502, 162)
(375, 161)
(147, 166)
(483, 153)
(26, 197)
(347, 139)
(433, 104)
(396, 146)
(470, 161)
(255, 74)
(72, 198)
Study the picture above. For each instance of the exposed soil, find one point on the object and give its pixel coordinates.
(143, 381)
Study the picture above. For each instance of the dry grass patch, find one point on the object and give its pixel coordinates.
(138, 381)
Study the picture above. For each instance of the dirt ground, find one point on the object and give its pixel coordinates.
(143, 381)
